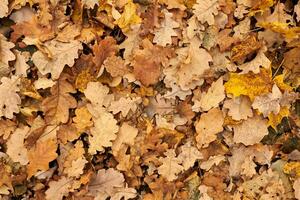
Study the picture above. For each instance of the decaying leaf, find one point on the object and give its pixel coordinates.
(239, 108)
(205, 10)
(5, 52)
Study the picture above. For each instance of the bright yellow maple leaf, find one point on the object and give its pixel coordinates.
(282, 28)
(128, 16)
(275, 119)
(292, 168)
(279, 80)
(250, 84)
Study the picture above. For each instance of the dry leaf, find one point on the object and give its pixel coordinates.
(15, 146)
(189, 155)
(56, 106)
(213, 96)
(40, 155)
(205, 10)
(59, 55)
(9, 103)
(250, 131)
(239, 108)
(83, 119)
(170, 167)
(268, 103)
(4, 8)
(58, 189)
(21, 65)
(5, 53)
(296, 187)
(128, 17)
(90, 4)
(103, 132)
(115, 66)
(124, 105)
(208, 126)
(98, 94)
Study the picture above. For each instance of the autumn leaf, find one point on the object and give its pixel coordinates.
(4, 8)
(129, 16)
(58, 189)
(275, 119)
(59, 55)
(5, 53)
(238, 84)
(40, 155)
(205, 10)
(56, 106)
(239, 107)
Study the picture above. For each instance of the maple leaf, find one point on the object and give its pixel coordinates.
(208, 126)
(170, 165)
(10, 101)
(189, 154)
(56, 107)
(163, 35)
(5, 54)
(213, 96)
(268, 103)
(250, 131)
(129, 16)
(40, 155)
(103, 132)
(4, 8)
(238, 84)
(205, 10)
(58, 189)
(15, 146)
(59, 55)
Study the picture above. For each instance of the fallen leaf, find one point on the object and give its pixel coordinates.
(275, 119)
(40, 155)
(128, 17)
(124, 105)
(208, 126)
(250, 131)
(60, 54)
(4, 9)
(5, 53)
(239, 108)
(58, 189)
(189, 155)
(205, 10)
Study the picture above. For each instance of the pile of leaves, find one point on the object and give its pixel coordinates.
(149, 99)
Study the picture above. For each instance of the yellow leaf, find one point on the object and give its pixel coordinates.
(275, 119)
(279, 80)
(40, 156)
(292, 168)
(250, 84)
(261, 6)
(129, 16)
(282, 28)
(83, 119)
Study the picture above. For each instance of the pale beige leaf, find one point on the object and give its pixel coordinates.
(239, 107)
(76, 168)
(9, 103)
(90, 3)
(208, 126)
(5, 53)
(124, 194)
(214, 95)
(250, 131)
(189, 155)
(268, 103)
(103, 132)
(163, 35)
(126, 135)
(105, 182)
(170, 167)
(213, 160)
(254, 65)
(98, 94)
(3, 8)
(124, 105)
(21, 66)
(60, 54)
(58, 189)
(43, 83)
(297, 11)
(205, 10)
(15, 146)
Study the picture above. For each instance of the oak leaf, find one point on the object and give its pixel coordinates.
(5, 54)
(124, 105)
(9, 103)
(15, 146)
(4, 8)
(90, 4)
(6, 128)
(98, 95)
(189, 155)
(58, 189)
(296, 187)
(163, 35)
(59, 55)
(208, 126)
(250, 131)
(103, 132)
(238, 84)
(21, 65)
(205, 10)
(115, 66)
(213, 96)
(56, 107)
(170, 166)
(171, 4)
(40, 155)
(254, 65)
(83, 119)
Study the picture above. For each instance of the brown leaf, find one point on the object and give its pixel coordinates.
(56, 107)
(115, 66)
